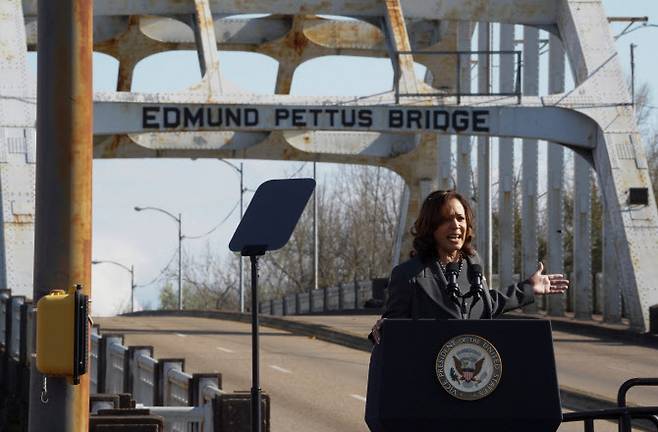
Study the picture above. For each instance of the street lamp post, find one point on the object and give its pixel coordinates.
(180, 242)
(131, 270)
(242, 191)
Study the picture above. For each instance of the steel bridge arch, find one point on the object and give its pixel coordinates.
(604, 105)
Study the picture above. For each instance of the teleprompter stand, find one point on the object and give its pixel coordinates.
(267, 225)
(405, 392)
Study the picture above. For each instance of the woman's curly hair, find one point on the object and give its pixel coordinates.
(429, 219)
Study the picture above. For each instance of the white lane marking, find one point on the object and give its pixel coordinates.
(617, 368)
(359, 397)
(280, 369)
(225, 349)
(180, 335)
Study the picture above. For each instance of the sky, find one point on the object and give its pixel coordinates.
(205, 191)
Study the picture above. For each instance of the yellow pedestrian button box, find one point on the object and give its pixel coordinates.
(62, 333)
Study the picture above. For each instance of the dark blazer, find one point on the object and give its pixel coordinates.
(419, 290)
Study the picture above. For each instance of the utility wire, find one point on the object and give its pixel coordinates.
(237, 203)
(155, 279)
(298, 171)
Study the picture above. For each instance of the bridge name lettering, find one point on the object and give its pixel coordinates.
(203, 117)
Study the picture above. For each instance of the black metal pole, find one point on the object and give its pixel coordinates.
(255, 386)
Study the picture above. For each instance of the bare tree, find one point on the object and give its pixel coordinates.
(210, 282)
(356, 223)
(644, 112)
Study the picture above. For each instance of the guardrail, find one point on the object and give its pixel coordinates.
(93, 359)
(353, 296)
(16, 329)
(371, 295)
(144, 373)
(187, 402)
(626, 417)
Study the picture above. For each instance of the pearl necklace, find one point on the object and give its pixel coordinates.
(461, 264)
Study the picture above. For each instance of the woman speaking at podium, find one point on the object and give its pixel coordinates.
(443, 279)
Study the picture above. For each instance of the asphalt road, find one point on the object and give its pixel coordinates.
(313, 385)
(319, 386)
(584, 363)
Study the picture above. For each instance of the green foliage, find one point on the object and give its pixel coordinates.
(168, 297)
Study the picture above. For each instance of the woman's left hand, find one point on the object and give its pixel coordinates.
(547, 284)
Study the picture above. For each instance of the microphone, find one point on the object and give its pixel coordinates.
(452, 272)
(477, 288)
(475, 278)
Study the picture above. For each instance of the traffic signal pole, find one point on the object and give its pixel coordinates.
(63, 189)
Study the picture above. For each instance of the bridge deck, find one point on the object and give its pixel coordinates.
(585, 363)
(318, 386)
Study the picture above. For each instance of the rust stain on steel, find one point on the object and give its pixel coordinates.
(127, 62)
(22, 219)
(132, 45)
(400, 38)
(112, 148)
(207, 21)
(295, 40)
(274, 48)
(80, 173)
(397, 25)
(343, 34)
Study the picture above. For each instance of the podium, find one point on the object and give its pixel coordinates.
(464, 376)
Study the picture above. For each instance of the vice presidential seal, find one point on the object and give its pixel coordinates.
(468, 367)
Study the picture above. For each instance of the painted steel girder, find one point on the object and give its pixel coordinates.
(601, 94)
(136, 117)
(290, 40)
(17, 155)
(247, 34)
(398, 39)
(535, 12)
(374, 148)
(618, 156)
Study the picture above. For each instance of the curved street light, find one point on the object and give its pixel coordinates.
(130, 270)
(242, 191)
(180, 241)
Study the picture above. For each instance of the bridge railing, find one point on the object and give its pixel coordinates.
(144, 382)
(345, 297)
(93, 359)
(176, 389)
(116, 359)
(4, 295)
(371, 295)
(188, 402)
(16, 325)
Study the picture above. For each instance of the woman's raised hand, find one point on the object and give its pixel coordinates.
(547, 284)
